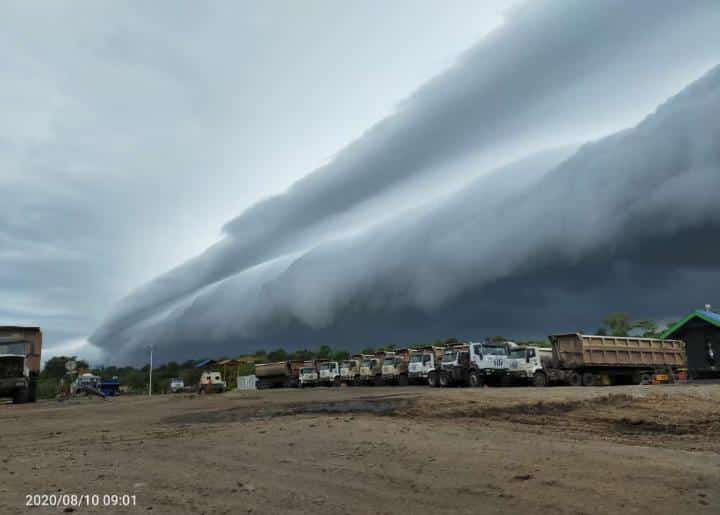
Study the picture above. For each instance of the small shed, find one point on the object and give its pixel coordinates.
(700, 330)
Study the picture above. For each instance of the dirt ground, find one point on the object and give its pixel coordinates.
(635, 449)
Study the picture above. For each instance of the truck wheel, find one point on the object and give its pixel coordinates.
(357, 381)
(540, 379)
(646, 379)
(378, 381)
(575, 379)
(475, 379)
(403, 380)
(337, 382)
(21, 396)
(433, 379)
(588, 379)
(32, 394)
(444, 380)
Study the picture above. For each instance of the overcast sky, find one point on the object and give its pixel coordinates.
(131, 132)
(164, 162)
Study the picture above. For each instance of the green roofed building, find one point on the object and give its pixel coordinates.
(700, 330)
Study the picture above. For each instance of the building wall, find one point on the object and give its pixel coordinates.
(695, 334)
(246, 382)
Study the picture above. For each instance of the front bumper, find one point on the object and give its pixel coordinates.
(10, 384)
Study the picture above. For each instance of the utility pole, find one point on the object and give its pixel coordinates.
(151, 367)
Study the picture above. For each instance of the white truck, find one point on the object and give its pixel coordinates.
(371, 369)
(475, 364)
(329, 373)
(350, 371)
(177, 385)
(423, 365)
(395, 367)
(211, 381)
(527, 364)
(309, 376)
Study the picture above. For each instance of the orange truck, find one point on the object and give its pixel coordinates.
(20, 349)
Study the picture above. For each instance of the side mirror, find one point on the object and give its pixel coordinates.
(527, 359)
(479, 355)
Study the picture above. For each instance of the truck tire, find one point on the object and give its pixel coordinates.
(540, 379)
(403, 380)
(575, 379)
(379, 381)
(588, 379)
(433, 379)
(476, 379)
(337, 382)
(646, 379)
(21, 396)
(444, 379)
(357, 381)
(32, 394)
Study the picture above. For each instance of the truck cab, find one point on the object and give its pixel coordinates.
(211, 382)
(350, 371)
(176, 385)
(371, 369)
(423, 364)
(329, 373)
(526, 364)
(395, 367)
(20, 349)
(455, 366)
(489, 362)
(308, 376)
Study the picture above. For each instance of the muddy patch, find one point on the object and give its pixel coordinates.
(374, 406)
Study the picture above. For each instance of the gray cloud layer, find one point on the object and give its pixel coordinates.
(556, 72)
(550, 243)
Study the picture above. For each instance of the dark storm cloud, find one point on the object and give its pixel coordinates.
(556, 72)
(615, 226)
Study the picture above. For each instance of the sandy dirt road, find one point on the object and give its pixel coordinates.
(633, 449)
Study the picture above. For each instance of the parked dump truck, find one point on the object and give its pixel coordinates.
(281, 374)
(20, 350)
(525, 363)
(579, 359)
(474, 364)
(330, 373)
(350, 371)
(395, 367)
(422, 362)
(309, 373)
(211, 381)
(371, 369)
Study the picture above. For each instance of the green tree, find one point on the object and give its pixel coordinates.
(55, 366)
(324, 352)
(368, 350)
(340, 355)
(619, 324)
(648, 327)
(302, 355)
(278, 355)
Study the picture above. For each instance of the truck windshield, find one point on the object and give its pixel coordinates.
(495, 350)
(327, 366)
(389, 361)
(12, 348)
(416, 358)
(367, 363)
(307, 370)
(449, 356)
(517, 353)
